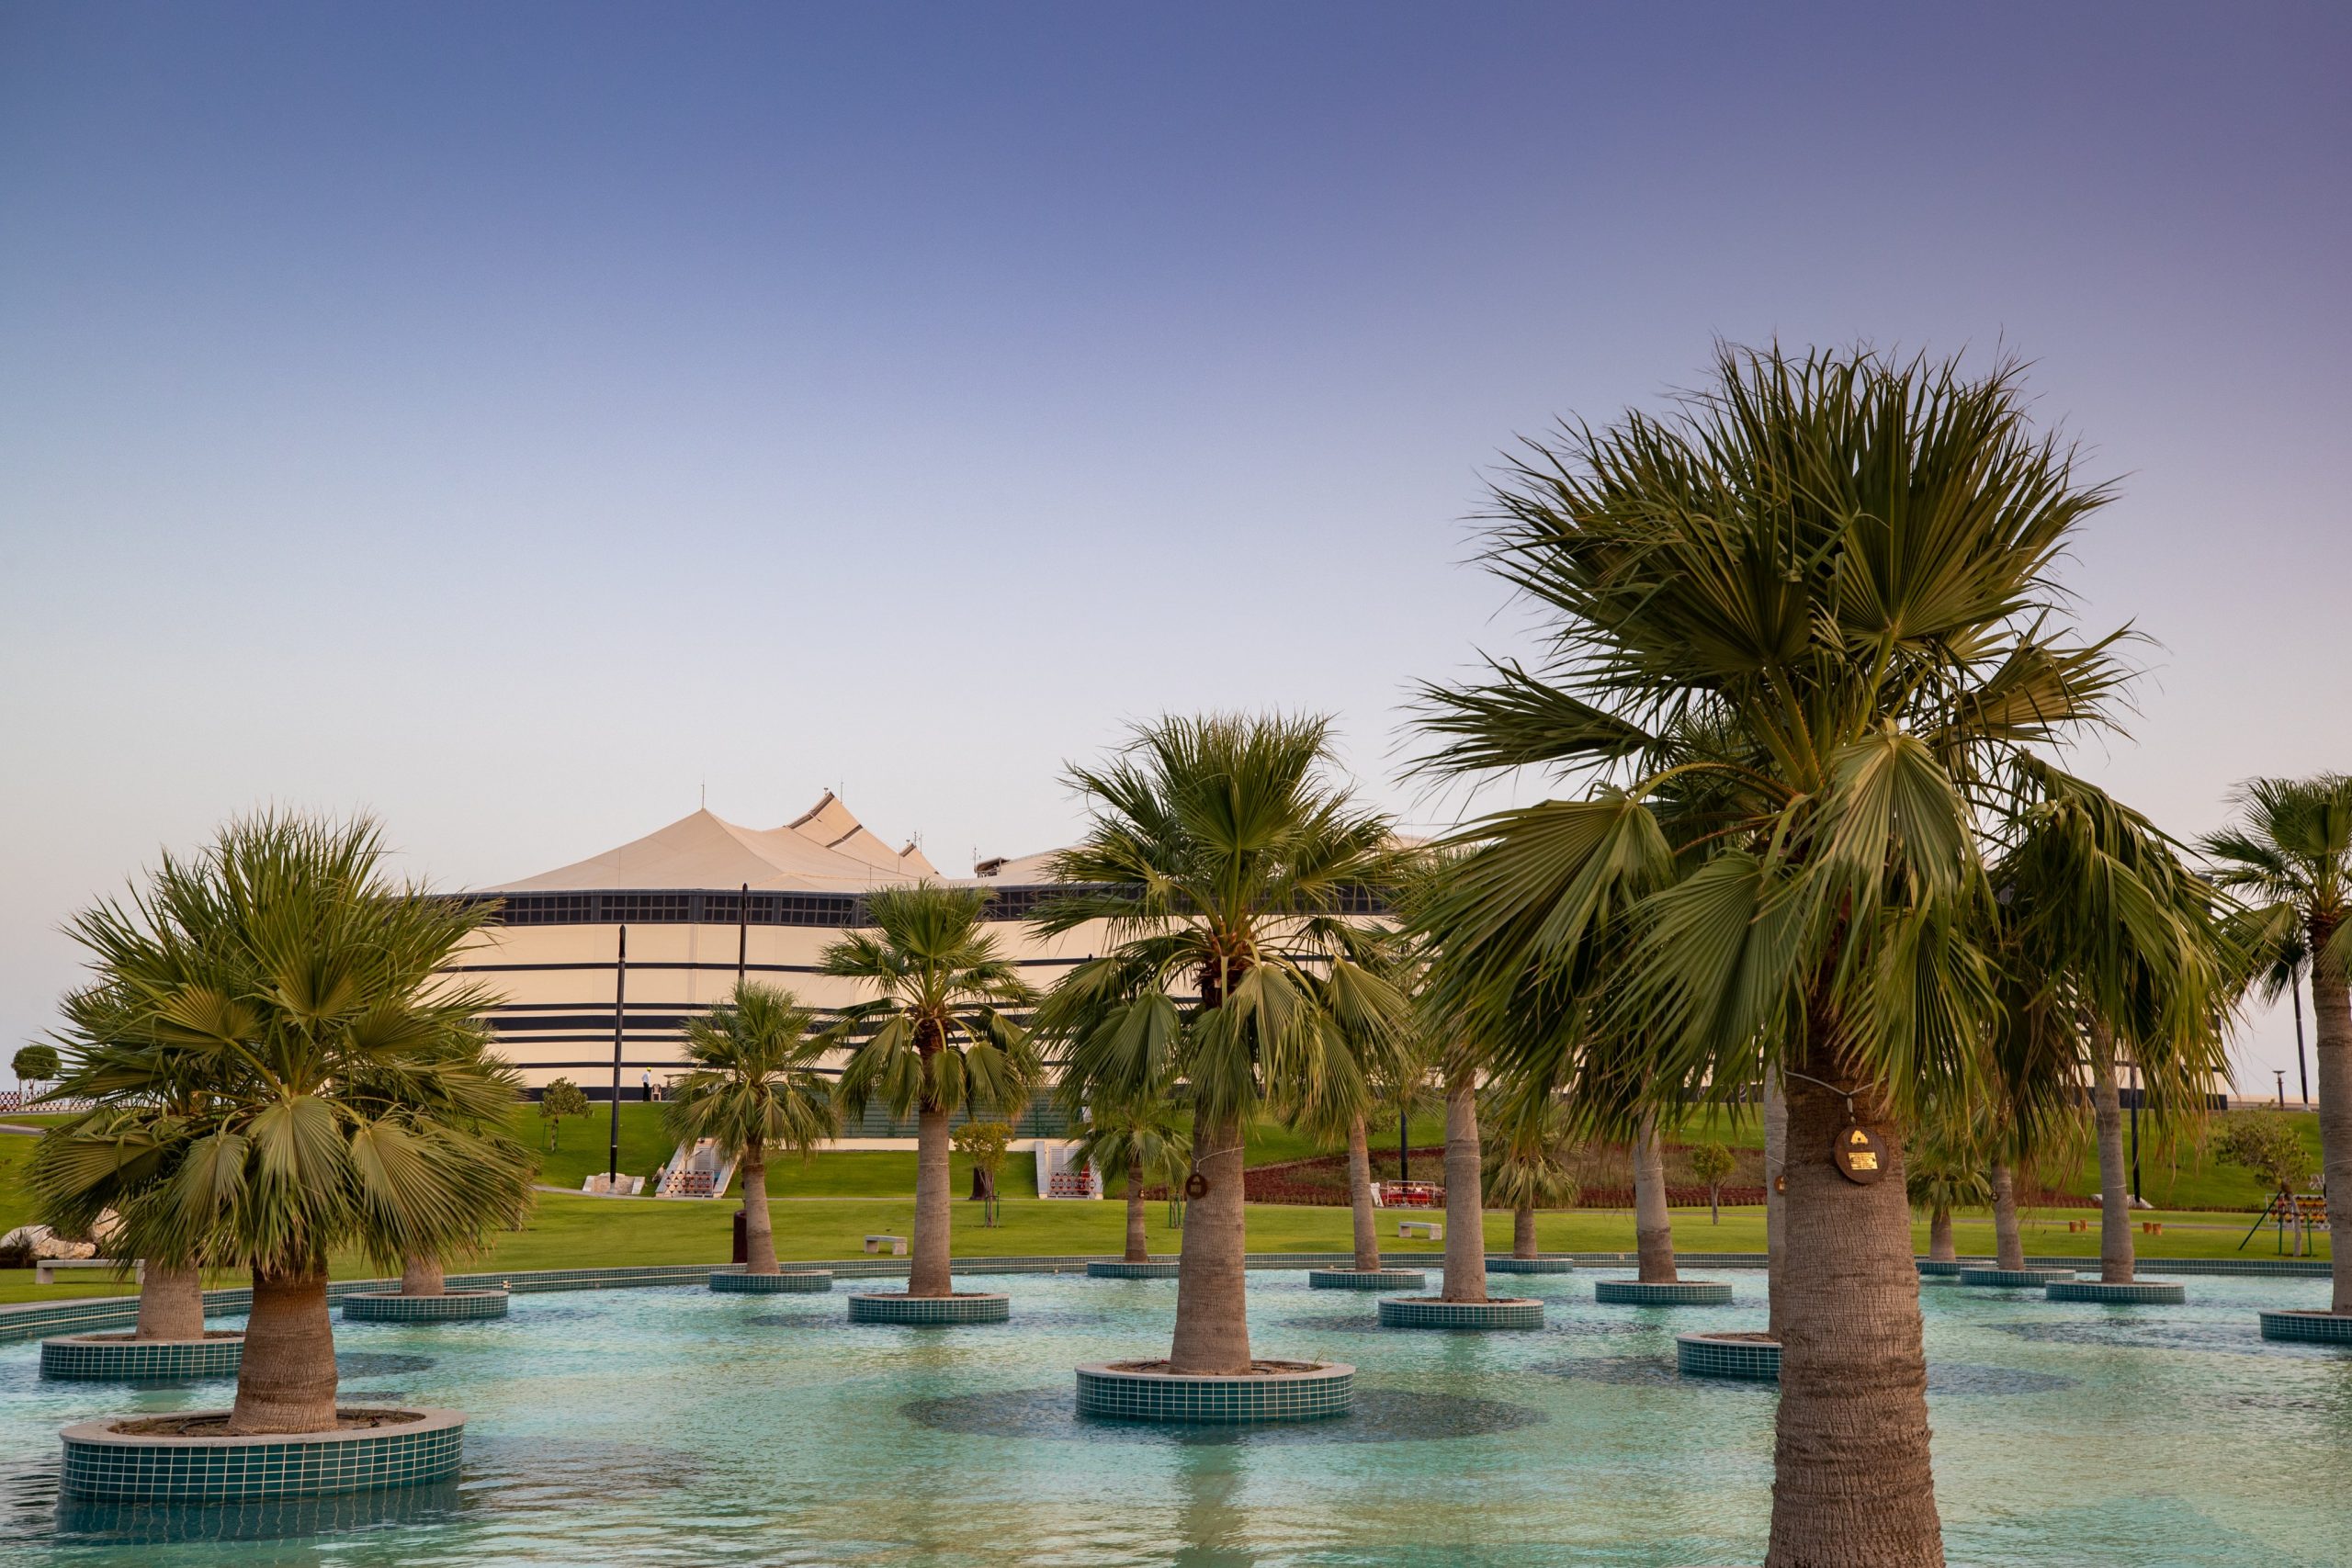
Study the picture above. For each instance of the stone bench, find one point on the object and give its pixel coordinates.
(897, 1243)
(45, 1270)
(1429, 1230)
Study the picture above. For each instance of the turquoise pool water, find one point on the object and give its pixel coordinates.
(676, 1426)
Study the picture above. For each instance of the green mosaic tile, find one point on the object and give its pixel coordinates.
(1710, 1356)
(1434, 1311)
(923, 1312)
(1531, 1265)
(1367, 1280)
(456, 1306)
(2312, 1327)
(2013, 1279)
(104, 1464)
(795, 1281)
(1107, 1393)
(1158, 1268)
(2147, 1292)
(117, 1358)
(1681, 1292)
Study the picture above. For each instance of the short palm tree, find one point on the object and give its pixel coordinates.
(2110, 945)
(1802, 631)
(1940, 1179)
(2290, 862)
(1222, 859)
(1140, 1135)
(311, 997)
(1528, 1167)
(932, 1040)
(753, 1085)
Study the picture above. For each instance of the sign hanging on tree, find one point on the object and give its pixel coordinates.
(1859, 1156)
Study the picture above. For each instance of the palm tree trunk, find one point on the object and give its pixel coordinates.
(1367, 1221)
(1465, 1214)
(171, 1304)
(1522, 1232)
(759, 1223)
(1852, 1486)
(1941, 1247)
(422, 1276)
(2331, 1029)
(287, 1380)
(1653, 1227)
(2115, 1261)
(930, 1274)
(2008, 1242)
(1138, 1246)
(1212, 1314)
(1776, 1155)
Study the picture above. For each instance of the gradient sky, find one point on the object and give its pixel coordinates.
(515, 420)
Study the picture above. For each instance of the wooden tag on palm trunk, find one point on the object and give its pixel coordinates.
(1858, 1155)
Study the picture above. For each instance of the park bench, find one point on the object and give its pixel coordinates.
(45, 1271)
(897, 1244)
(1432, 1230)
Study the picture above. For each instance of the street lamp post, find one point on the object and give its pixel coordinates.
(620, 1012)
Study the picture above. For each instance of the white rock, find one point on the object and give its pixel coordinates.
(43, 1243)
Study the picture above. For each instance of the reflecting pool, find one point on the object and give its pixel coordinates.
(675, 1426)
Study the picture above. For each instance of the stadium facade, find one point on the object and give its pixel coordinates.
(611, 955)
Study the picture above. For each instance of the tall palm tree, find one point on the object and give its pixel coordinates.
(1527, 1168)
(753, 1085)
(933, 1039)
(1140, 1134)
(1803, 629)
(310, 995)
(1222, 859)
(2289, 860)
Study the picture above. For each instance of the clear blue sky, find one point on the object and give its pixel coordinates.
(512, 419)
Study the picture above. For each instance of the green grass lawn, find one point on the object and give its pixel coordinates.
(825, 1208)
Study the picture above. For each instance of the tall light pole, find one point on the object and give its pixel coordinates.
(2302, 1078)
(620, 1012)
(2281, 1074)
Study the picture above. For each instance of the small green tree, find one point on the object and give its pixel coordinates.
(2266, 1146)
(557, 1100)
(985, 1143)
(36, 1063)
(1710, 1163)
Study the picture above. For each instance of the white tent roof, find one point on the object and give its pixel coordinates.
(824, 850)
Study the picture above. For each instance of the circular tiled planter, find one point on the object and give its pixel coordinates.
(152, 1468)
(1158, 1268)
(455, 1306)
(800, 1281)
(2140, 1292)
(1305, 1390)
(1531, 1265)
(118, 1358)
(896, 1306)
(2014, 1279)
(1366, 1279)
(2312, 1327)
(1754, 1357)
(1942, 1267)
(1435, 1311)
(1681, 1293)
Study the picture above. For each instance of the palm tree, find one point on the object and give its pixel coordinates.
(935, 1039)
(1940, 1180)
(1803, 629)
(1144, 1133)
(2109, 941)
(311, 997)
(753, 1085)
(1221, 861)
(2289, 860)
(1528, 1169)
